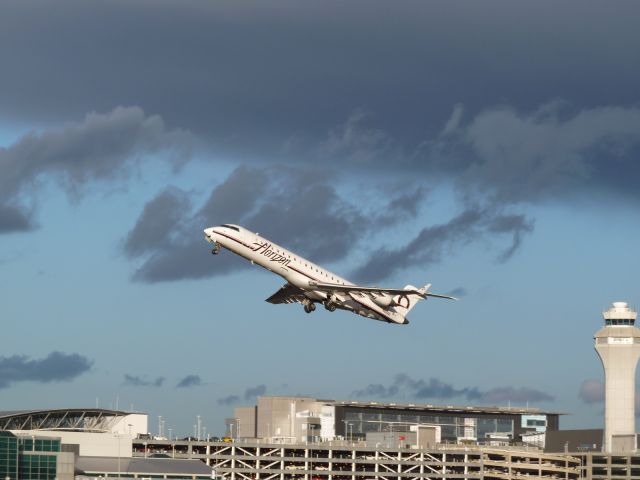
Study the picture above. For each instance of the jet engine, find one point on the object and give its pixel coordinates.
(383, 300)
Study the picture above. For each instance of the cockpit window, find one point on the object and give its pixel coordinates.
(231, 227)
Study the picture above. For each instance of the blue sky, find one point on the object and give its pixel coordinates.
(488, 149)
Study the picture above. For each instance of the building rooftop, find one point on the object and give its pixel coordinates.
(85, 419)
(167, 466)
(440, 408)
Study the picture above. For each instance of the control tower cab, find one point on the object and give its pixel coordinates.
(618, 345)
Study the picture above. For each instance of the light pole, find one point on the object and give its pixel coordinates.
(118, 436)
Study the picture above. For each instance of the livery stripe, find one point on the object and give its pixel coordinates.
(234, 239)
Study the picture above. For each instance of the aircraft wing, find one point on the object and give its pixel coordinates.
(287, 294)
(336, 287)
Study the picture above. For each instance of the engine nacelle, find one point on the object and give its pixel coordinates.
(383, 300)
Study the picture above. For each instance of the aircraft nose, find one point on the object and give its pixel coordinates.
(209, 234)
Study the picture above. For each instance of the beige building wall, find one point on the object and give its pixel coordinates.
(288, 418)
(245, 422)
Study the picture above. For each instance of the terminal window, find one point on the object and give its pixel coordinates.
(536, 423)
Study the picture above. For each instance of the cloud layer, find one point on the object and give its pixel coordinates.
(552, 152)
(250, 394)
(504, 147)
(301, 206)
(298, 204)
(406, 63)
(101, 147)
(434, 241)
(139, 381)
(434, 388)
(190, 381)
(55, 367)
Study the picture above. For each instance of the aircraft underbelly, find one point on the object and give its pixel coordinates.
(313, 295)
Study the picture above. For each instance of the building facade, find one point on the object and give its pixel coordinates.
(34, 458)
(310, 419)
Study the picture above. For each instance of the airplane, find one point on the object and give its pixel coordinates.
(308, 284)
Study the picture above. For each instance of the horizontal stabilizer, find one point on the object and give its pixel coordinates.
(440, 296)
(424, 293)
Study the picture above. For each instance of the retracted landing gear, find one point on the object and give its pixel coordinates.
(216, 249)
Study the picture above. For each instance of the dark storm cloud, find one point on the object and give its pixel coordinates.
(301, 205)
(432, 242)
(550, 152)
(56, 367)
(402, 207)
(100, 147)
(254, 73)
(360, 89)
(13, 219)
(279, 202)
(154, 227)
(516, 226)
(138, 381)
(253, 392)
(434, 388)
(358, 143)
(250, 394)
(190, 381)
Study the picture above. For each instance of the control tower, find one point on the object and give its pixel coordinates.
(618, 345)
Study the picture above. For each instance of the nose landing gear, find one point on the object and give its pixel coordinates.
(216, 249)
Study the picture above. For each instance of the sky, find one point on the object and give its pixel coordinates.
(489, 148)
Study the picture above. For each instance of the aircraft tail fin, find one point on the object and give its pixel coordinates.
(404, 303)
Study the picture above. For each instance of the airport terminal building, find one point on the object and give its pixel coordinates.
(310, 419)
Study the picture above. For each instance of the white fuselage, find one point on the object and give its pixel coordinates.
(298, 271)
